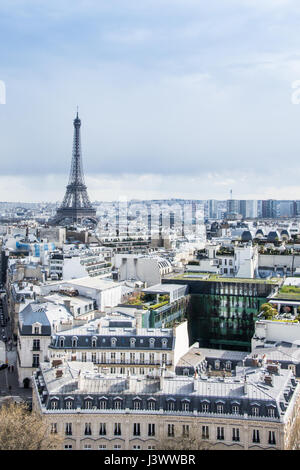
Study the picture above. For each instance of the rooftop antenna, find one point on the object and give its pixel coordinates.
(231, 194)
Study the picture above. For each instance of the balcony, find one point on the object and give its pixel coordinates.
(132, 362)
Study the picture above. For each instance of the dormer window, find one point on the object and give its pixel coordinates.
(132, 342)
(94, 342)
(69, 404)
(74, 342)
(185, 406)
(164, 342)
(36, 329)
(151, 342)
(151, 404)
(118, 404)
(61, 342)
(255, 411)
(137, 404)
(220, 408)
(88, 404)
(113, 342)
(171, 405)
(103, 404)
(235, 409)
(217, 364)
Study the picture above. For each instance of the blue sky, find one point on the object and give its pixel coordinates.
(178, 98)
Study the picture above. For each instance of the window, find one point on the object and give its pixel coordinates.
(94, 357)
(151, 447)
(220, 433)
(36, 330)
(151, 358)
(36, 345)
(217, 364)
(136, 429)
(113, 357)
(164, 358)
(94, 343)
(151, 405)
(142, 358)
(235, 409)
(164, 342)
(271, 412)
(171, 406)
(74, 342)
(151, 342)
(220, 408)
(255, 435)
(61, 342)
(132, 342)
(35, 360)
(272, 439)
(102, 404)
(235, 434)
(136, 405)
(103, 358)
(69, 404)
(102, 429)
(151, 429)
(185, 406)
(136, 447)
(68, 446)
(171, 430)
(102, 447)
(122, 358)
(255, 411)
(228, 365)
(88, 404)
(132, 357)
(83, 357)
(88, 429)
(205, 408)
(87, 447)
(205, 432)
(68, 429)
(117, 447)
(113, 342)
(185, 430)
(118, 405)
(54, 405)
(53, 428)
(117, 430)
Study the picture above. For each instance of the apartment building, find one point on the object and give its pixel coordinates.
(117, 344)
(254, 409)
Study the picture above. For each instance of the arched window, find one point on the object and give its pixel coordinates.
(94, 342)
(74, 341)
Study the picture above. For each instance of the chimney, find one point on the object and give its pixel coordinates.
(68, 304)
(162, 378)
(195, 381)
(138, 318)
(245, 385)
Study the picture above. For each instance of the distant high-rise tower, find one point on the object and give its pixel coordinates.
(76, 205)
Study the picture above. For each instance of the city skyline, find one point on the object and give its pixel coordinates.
(176, 99)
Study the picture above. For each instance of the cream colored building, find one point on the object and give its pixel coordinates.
(99, 412)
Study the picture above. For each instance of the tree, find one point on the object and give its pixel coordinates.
(21, 429)
(183, 443)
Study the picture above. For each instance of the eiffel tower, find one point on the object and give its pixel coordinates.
(76, 205)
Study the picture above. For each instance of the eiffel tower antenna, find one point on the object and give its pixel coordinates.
(76, 205)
